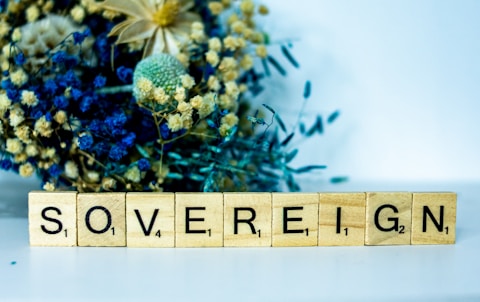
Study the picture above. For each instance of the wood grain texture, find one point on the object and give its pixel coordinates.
(101, 219)
(434, 218)
(199, 219)
(150, 219)
(295, 219)
(52, 218)
(342, 219)
(389, 218)
(247, 219)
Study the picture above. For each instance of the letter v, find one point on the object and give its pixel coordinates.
(152, 221)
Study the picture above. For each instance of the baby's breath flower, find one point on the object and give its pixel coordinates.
(133, 174)
(231, 89)
(93, 176)
(196, 101)
(109, 183)
(180, 94)
(230, 75)
(60, 117)
(48, 186)
(19, 77)
(174, 122)
(20, 158)
(183, 59)
(71, 169)
(160, 96)
(29, 98)
(230, 43)
(1, 127)
(16, 117)
(184, 107)
(215, 8)
(213, 83)
(48, 6)
(247, 7)
(4, 28)
(232, 19)
(187, 81)
(43, 127)
(207, 106)
(31, 150)
(32, 13)
(228, 63)
(226, 102)
(23, 133)
(263, 10)
(144, 88)
(238, 27)
(261, 51)
(77, 13)
(215, 44)
(5, 103)
(212, 57)
(14, 146)
(26, 170)
(16, 35)
(187, 120)
(246, 62)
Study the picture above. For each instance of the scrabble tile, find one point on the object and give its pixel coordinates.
(248, 219)
(101, 219)
(198, 219)
(341, 219)
(150, 219)
(52, 218)
(433, 218)
(389, 218)
(295, 219)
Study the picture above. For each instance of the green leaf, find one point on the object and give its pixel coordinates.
(338, 179)
(280, 123)
(289, 57)
(174, 175)
(307, 168)
(174, 155)
(307, 90)
(287, 140)
(290, 156)
(269, 108)
(333, 117)
(142, 151)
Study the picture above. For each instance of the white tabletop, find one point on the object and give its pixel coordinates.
(393, 273)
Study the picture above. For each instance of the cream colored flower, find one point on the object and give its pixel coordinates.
(165, 24)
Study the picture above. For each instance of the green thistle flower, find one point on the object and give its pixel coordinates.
(162, 70)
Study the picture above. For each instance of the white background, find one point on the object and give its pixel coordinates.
(404, 75)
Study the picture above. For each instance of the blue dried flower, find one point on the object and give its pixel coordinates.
(143, 164)
(85, 142)
(117, 152)
(55, 170)
(6, 164)
(99, 81)
(125, 74)
(61, 102)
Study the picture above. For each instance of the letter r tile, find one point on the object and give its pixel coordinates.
(248, 219)
(101, 219)
(389, 218)
(52, 218)
(295, 219)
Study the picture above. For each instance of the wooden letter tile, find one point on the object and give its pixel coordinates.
(341, 219)
(101, 219)
(150, 219)
(433, 218)
(199, 219)
(52, 218)
(248, 219)
(295, 219)
(389, 218)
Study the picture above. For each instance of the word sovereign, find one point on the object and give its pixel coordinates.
(240, 219)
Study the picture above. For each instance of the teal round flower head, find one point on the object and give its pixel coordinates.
(162, 70)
